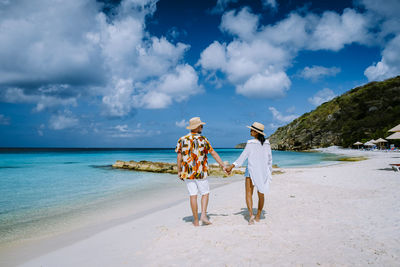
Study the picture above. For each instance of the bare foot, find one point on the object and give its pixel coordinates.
(257, 218)
(196, 223)
(205, 221)
(251, 220)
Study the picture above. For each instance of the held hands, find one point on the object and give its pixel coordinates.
(228, 170)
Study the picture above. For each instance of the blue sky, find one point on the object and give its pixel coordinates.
(86, 73)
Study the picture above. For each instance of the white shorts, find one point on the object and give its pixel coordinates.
(197, 185)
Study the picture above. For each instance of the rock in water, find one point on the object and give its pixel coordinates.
(163, 167)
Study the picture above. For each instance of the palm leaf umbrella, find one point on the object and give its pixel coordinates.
(395, 129)
(358, 143)
(380, 141)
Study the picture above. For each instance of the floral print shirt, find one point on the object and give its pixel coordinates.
(194, 149)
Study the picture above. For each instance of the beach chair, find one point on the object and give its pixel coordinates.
(395, 167)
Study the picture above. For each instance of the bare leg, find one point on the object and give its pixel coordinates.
(260, 205)
(249, 199)
(204, 204)
(193, 205)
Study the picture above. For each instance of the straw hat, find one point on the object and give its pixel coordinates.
(194, 123)
(258, 127)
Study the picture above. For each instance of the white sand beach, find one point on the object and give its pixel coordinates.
(340, 215)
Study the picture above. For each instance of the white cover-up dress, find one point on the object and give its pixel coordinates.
(259, 158)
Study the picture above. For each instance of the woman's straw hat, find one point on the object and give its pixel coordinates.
(194, 123)
(258, 127)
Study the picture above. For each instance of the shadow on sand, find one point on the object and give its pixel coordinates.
(245, 213)
(209, 216)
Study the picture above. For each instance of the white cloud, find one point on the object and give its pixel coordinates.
(322, 96)
(182, 124)
(384, 16)
(334, 31)
(389, 65)
(280, 117)
(242, 24)
(111, 58)
(176, 86)
(4, 120)
(43, 101)
(122, 128)
(120, 102)
(267, 85)
(314, 73)
(257, 59)
(62, 121)
(214, 57)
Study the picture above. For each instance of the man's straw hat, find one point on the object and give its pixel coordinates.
(194, 123)
(258, 127)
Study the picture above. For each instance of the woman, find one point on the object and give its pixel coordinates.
(259, 168)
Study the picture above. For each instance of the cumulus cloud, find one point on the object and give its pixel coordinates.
(177, 86)
(111, 58)
(242, 24)
(257, 59)
(267, 85)
(389, 65)
(282, 119)
(334, 31)
(182, 124)
(44, 98)
(4, 120)
(322, 96)
(385, 17)
(62, 121)
(315, 73)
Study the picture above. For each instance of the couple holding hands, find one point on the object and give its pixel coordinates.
(192, 150)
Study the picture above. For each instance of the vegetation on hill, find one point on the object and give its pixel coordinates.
(363, 113)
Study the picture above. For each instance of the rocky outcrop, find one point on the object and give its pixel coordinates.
(163, 167)
(241, 145)
(363, 113)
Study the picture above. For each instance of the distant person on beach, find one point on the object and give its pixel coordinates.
(192, 150)
(259, 168)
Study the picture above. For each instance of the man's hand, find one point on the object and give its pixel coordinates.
(179, 175)
(229, 169)
(226, 170)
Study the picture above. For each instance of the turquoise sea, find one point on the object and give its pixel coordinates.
(39, 188)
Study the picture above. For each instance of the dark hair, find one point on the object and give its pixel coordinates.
(261, 138)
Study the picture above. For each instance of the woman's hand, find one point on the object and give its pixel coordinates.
(229, 169)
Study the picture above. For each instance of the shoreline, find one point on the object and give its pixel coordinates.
(66, 245)
(81, 227)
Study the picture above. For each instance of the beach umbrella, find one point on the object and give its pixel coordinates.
(395, 129)
(381, 141)
(368, 144)
(396, 135)
(358, 143)
(372, 141)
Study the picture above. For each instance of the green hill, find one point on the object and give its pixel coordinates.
(360, 114)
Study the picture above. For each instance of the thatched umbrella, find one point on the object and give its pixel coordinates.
(358, 143)
(396, 135)
(380, 141)
(395, 129)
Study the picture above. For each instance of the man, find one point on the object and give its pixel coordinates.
(192, 150)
